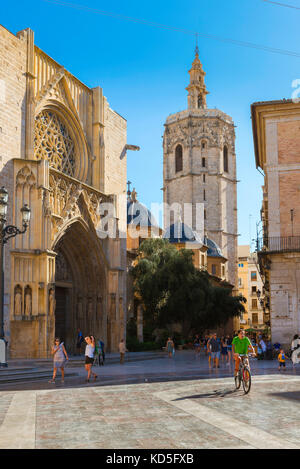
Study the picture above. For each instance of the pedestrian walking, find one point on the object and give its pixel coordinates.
(60, 357)
(101, 346)
(281, 360)
(263, 348)
(215, 347)
(122, 350)
(89, 357)
(224, 350)
(208, 350)
(197, 345)
(170, 347)
(295, 346)
(229, 347)
(79, 341)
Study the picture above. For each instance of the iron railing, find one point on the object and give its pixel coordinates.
(278, 244)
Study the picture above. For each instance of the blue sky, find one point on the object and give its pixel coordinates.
(144, 70)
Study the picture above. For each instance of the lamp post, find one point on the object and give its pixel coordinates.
(7, 232)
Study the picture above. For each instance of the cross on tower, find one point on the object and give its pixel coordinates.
(129, 191)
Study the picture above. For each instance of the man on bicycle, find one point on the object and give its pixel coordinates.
(240, 346)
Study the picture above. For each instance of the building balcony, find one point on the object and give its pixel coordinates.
(278, 244)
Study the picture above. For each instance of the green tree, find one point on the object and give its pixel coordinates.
(174, 291)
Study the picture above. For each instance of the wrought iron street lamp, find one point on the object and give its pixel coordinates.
(7, 232)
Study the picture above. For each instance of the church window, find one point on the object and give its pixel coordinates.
(225, 159)
(200, 101)
(53, 142)
(203, 163)
(203, 177)
(178, 158)
(204, 195)
(203, 145)
(204, 214)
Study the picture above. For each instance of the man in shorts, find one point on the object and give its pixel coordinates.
(215, 348)
(240, 346)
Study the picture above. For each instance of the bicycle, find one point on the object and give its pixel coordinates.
(244, 374)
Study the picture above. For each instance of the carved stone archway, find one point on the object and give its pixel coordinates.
(80, 283)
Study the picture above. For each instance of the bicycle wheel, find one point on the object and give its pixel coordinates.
(237, 381)
(246, 380)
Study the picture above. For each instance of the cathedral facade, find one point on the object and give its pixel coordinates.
(62, 152)
(199, 168)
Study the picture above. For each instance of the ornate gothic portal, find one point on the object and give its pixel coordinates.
(67, 161)
(79, 286)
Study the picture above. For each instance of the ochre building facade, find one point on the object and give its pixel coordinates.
(63, 152)
(276, 132)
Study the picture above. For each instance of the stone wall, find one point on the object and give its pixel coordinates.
(13, 57)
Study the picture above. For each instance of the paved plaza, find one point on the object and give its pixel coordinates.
(155, 404)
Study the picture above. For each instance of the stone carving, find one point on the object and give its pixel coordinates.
(53, 142)
(90, 309)
(25, 176)
(52, 302)
(62, 269)
(79, 308)
(18, 301)
(28, 302)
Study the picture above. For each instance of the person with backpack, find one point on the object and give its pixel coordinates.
(79, 341)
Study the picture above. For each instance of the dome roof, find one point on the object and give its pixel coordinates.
(213, 248)
(139, 215)
(181, 233)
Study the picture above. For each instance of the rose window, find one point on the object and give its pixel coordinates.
(53, 142)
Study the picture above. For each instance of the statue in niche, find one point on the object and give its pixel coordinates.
(79, 308)
(99, 306)
(18, 301)
(112, 307)
(90, 309)
(28, 302)
(52, 302)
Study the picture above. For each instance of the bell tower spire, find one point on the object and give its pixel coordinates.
(197, 90)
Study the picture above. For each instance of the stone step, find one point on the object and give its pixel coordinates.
(76, 362)
(28, 375)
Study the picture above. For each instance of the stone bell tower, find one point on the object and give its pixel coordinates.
(200, 168)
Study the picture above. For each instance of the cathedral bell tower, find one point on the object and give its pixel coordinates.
(200, 170)
(197, 90)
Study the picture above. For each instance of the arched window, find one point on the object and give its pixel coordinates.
(178, 158)
(225, 159)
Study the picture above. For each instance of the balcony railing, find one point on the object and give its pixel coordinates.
(279, 244)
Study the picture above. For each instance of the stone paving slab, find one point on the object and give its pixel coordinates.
(160, 413)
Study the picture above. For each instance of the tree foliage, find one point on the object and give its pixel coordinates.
(174, 291)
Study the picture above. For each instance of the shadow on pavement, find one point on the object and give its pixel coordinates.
(292, 395)
(212, 395)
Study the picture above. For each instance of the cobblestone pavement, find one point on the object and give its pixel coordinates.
(164, 403)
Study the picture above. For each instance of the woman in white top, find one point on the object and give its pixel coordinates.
(89, 357)
(295, 346)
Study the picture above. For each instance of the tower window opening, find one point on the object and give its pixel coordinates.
(225, 159)
(203, 163)
(178, 158)
(203, 145)
(204, 195)
(204, 179)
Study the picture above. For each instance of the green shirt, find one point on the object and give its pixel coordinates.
(241, 345)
